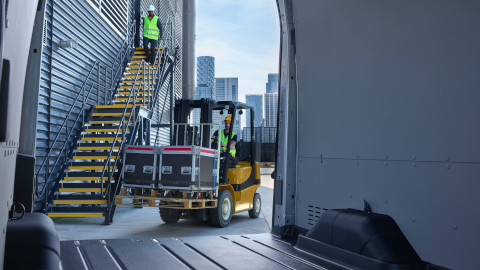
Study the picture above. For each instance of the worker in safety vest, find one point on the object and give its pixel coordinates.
(152, 30)
(224, 137)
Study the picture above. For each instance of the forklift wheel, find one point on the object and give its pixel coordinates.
(222, 215)
(257, 206)
(170, 216)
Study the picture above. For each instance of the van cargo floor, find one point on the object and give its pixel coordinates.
(258, 251)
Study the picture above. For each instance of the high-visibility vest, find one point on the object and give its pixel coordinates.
(150, 29)
(224, 139)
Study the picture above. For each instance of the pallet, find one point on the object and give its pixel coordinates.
(153, 201)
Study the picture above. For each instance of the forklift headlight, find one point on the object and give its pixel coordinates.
(130, 168)
(166, 169)
(186, 170)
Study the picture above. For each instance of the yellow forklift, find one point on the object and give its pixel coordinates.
(194, 177)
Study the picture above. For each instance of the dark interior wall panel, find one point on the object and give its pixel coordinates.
(388, 105)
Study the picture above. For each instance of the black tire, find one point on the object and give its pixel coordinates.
(257, 206)
(222, 215)
(170, 216)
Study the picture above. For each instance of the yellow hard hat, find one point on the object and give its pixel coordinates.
(228, 118)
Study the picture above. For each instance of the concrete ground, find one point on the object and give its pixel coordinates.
(142, 223)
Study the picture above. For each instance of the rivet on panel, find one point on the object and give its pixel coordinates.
(448, 158)
(385, 201)
(414, 157)
(386, 157)
(455, 227)
(351, 196)
(448, 166)
(413, 220)
(386, 163)
(414, 164)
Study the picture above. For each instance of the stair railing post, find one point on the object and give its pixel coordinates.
(105, 88)
(143, 77)
(98, 84)
(66, 138)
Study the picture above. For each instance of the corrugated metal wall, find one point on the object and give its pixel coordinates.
(63, 70)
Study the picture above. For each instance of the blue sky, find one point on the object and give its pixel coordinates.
(243, 36)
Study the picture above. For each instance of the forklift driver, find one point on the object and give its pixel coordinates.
(224, 138)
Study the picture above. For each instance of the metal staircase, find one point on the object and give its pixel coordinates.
(89, 179)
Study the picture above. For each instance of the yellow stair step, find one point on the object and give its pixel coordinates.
(79, 201)
(84, 178)
(93, 157)
(128, 93)
(137, 66)
(86, 138)
(130, 87)
(139, 76)
(139, 57)
(89, 168)
(113, 106)
(138, 62)
(103, 130)
(110, 114)
(97, 122)
(80, 189)
(75, 214)
(91, 148)
(125, 99)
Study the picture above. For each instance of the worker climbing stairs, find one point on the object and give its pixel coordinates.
(91, 174)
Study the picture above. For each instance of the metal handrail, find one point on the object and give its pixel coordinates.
(107, 86)
(124, 124)
(82, 91)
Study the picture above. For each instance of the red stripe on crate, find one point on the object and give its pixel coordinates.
(139, 148)
(177, 149)
(207, 151)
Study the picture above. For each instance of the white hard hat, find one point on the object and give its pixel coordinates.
(151, 8)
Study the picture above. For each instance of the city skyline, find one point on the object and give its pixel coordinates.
(245, 40)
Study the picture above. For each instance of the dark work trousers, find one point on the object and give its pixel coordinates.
(150, 53)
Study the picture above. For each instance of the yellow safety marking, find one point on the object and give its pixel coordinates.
(110, 114)
(106, 122)
(128, 93)
(89, 168)
(101, 138)
(75, 214)
(139, 76)
(92, 157)
(88, 148)
(137, 66)
(113, 106)
(124, 98)
(84, 178)
(139, 52)
(79, 201)
(103, 130)
(138, 62)
(130, 87)
(80, 189)
(139, 57)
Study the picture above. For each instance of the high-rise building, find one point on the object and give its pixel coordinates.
(272, 84)
(226, 89)
(256, 101)
(206, 71)
(271, 109)
(205, 81)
